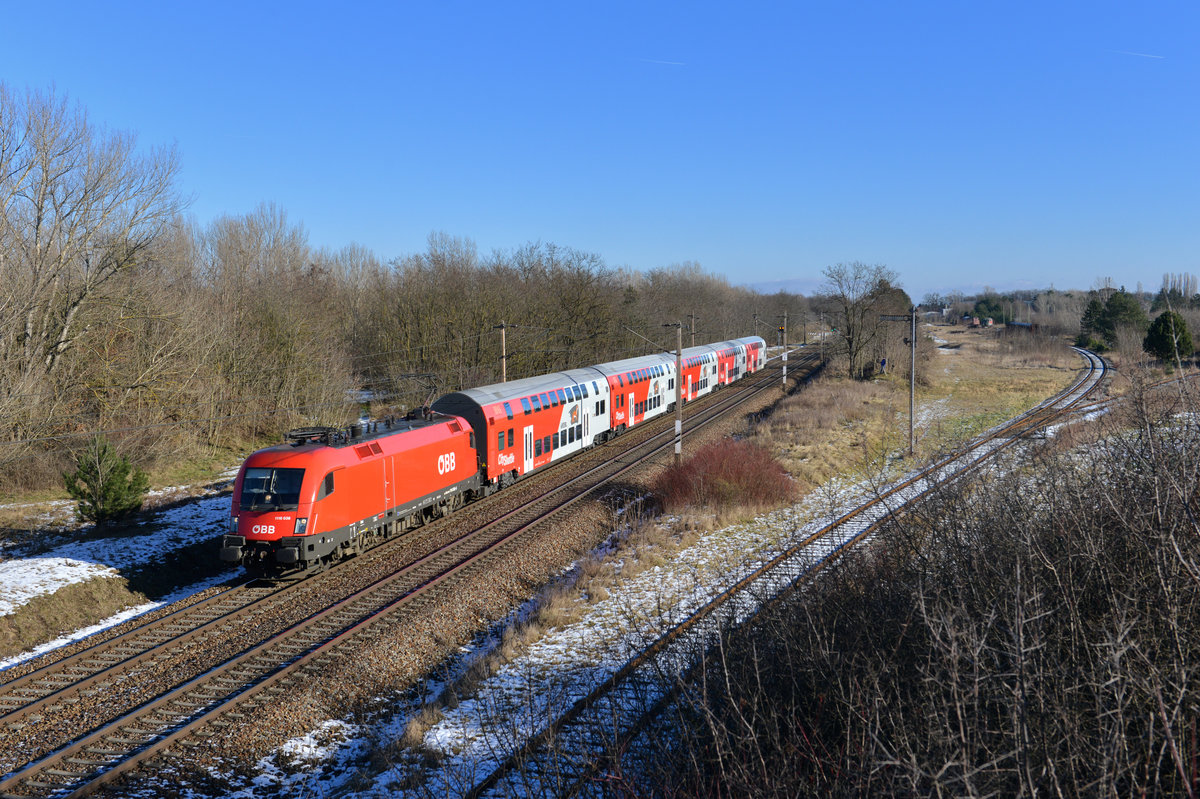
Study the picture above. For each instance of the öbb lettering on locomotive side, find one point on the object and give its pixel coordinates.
(327, 493)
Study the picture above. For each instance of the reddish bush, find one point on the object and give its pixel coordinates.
(726, 474)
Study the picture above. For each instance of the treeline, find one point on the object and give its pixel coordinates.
(181, 341)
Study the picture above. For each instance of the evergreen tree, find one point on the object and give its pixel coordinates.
(105, 484)
(1091, 321)
(1168, 337)
(994, 307)
(1122, 311)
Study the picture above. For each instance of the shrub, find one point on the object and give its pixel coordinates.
(105, 484)
(723, 475)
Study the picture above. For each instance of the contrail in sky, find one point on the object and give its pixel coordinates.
(1139, 55)
(668, 63)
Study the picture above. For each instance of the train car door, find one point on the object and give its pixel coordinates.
(528, 449)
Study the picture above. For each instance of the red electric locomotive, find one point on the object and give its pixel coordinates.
(329, 492)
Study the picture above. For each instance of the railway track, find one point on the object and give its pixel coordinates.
(190, 673)
(568, 755)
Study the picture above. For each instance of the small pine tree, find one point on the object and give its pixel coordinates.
(105, 484)
(1168, 337)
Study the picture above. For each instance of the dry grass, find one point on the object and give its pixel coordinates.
(69, 608)
(830, 428)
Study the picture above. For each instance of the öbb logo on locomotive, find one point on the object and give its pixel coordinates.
(327, 492)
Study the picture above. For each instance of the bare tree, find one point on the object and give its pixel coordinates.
(78, 206)
(859, 293)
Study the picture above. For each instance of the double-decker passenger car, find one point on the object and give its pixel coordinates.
(523, 425)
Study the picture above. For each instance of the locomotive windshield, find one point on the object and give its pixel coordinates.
(271, 489)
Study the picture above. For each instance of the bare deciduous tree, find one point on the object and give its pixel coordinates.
(859, 294)
(78, 206)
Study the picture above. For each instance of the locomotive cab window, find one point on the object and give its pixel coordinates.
(271, 489)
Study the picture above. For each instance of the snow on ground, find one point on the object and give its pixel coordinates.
(111, 621)
(25, 575)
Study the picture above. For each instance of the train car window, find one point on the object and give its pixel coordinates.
(583, 388)
(508, 410)
(555, 437)
(537, 406)
(510, 437)
(537, 448)
(471, 438)
(596, 387)
(546, 444)
(525, 405)
(579, 432)
(621, 381)
(602, 404)
(500, 440)
(562, 396)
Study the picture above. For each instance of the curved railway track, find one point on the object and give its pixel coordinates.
(190, 672)
(567, 756)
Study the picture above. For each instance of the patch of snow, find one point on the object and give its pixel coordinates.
(24, 576)
(111, 621)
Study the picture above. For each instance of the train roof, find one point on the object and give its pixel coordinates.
(527, 386)
(633, 364)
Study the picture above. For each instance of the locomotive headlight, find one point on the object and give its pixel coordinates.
(233, 525)
(301, 526)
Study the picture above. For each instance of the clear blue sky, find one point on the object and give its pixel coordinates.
(1014, 144)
